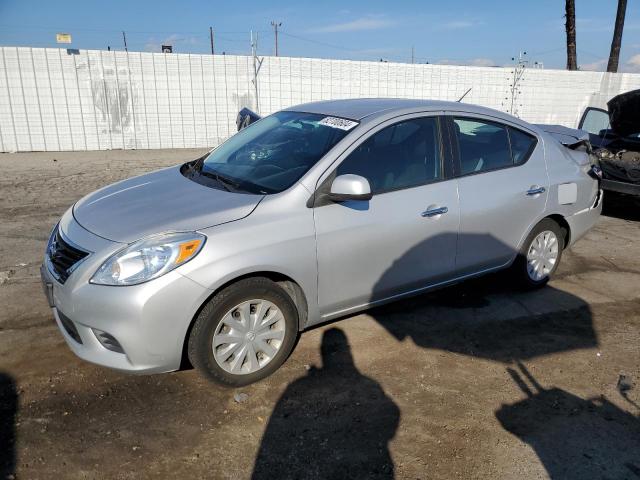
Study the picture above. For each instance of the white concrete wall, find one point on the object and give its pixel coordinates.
(98, 100)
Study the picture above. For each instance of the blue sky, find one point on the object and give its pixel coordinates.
(488, 32)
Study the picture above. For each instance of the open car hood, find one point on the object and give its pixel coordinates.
(624, 113)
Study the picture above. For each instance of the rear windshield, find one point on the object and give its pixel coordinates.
(272, 154)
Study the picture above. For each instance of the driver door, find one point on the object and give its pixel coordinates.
(404, 238)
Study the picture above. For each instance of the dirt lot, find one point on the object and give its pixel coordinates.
(475, 381)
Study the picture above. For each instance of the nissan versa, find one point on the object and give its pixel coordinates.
(306, 215)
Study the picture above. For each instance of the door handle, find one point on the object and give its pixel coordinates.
(432, 212)
(536, 191)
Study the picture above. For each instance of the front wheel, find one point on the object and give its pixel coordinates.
(244, 333)
(540, 254)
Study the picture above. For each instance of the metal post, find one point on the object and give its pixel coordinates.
(144, 97)
(93, 100)
(215, 100)
(66, 100)
(120, 115)
(24, 100)
(193, 108)
(155, 91)
(35, 83)
(166, 74)
(275, 27)
(13, 118)
(84, 132)
(53, 106)
(257, 63)
(211, 38)
(133, 106)
(124, 37)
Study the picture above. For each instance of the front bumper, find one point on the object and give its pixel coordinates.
(149, 321)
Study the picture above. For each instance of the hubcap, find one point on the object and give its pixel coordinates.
(542, 255)
(248, 337)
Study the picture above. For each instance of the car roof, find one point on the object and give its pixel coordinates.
(361, 108)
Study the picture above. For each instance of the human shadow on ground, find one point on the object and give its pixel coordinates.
(574, 438)
(332, 423)
(8, 413)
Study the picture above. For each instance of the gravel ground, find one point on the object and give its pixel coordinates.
(474, 381)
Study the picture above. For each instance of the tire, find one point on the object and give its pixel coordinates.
(256, 300)
(521, 269)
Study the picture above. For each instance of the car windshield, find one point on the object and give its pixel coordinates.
(272, 154)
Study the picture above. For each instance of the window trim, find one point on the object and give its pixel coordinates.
(455, 151)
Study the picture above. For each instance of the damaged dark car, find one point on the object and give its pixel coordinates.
(615, 139)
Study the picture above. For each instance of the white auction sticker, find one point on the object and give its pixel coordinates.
(335, 122)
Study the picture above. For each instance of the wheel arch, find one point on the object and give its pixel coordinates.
(289, 285)
(562, 222)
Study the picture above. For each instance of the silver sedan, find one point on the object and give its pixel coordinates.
(310, 214)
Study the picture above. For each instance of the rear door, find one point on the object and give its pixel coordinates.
(404, 237)
(503, 187)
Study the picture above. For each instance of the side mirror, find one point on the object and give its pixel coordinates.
(350, 187)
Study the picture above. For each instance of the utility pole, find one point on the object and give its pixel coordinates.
(211, 38)
(275, 26)
(124, 37)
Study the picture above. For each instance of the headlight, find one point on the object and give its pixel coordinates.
(149, 258)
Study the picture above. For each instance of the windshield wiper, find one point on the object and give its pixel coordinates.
(228, 184)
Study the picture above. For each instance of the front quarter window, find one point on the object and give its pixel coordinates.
(272, 154)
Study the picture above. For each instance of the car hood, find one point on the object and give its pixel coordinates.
(624, 113)
(158, 202)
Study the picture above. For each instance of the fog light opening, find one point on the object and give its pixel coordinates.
(108, 341)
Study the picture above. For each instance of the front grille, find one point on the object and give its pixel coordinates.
(69, 327)
(63, 256)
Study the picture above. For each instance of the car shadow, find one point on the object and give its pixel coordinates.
(8, 414)
(333, 422)
(489, 317)
(574, 438)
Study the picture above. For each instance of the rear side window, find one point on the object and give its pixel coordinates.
(482, 145)
(485, 146)
(522, 144)
(403, 155)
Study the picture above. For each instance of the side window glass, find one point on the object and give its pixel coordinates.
(482, 145)
(403, 155)
(594, 121)
(522, 144)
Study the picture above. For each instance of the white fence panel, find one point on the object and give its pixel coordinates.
(55, 99)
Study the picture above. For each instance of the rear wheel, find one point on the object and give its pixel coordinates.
(244, 333)
(540, 255)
